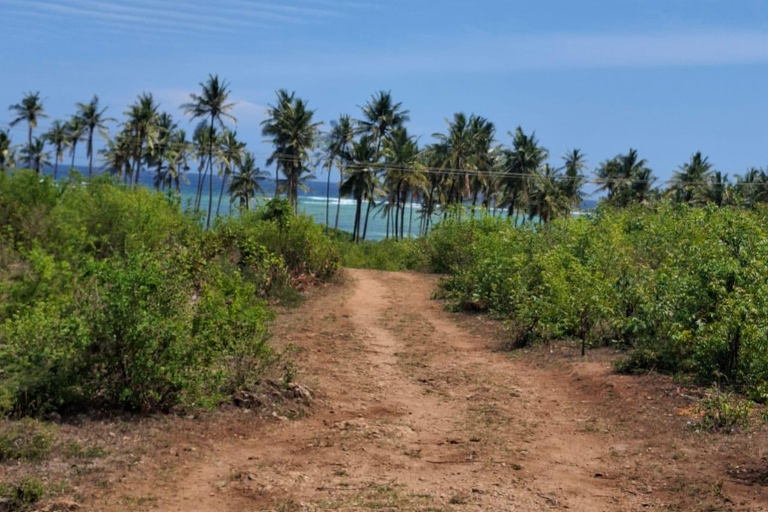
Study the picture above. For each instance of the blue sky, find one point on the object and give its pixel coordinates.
(668, 77)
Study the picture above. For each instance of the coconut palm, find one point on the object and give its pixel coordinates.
(338, 142)
(94, 121)
(244, 184)
(117, 155)
(175, 165)
(212, 105)
(719, 190)
(380, 116)
(574, 179)
(7, 152)
(690, 183)
(404, 174)
(627, 179)
(29, 111)
(232, 152)
(547, 198)
(57, 137)
(293, 134)
(35, 155)
(360, 182)
(75, 133)
(143, 117)
(521, 166)
(165, 129)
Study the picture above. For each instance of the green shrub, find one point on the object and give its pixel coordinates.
(389, 255)
(111, 297)
(21, 496)
(25, 440)
(684, 290)
(723, 412)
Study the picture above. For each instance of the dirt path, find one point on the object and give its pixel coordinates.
(416, 411)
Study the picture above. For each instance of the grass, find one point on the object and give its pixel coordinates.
(28, 440)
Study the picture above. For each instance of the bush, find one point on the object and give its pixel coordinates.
(114, 298)
(723, 412)
(684, 290)
(25, 440)
(20, 496)
(389, 255)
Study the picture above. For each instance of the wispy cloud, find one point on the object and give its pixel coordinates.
(223, 16)
(488, 54)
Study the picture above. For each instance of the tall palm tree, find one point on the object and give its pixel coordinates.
(244, 184)
(689, 184)
(30, 111)
(338, 143)
(6, 151)
(75, 133)
(380, 116)
(143, 117)
(547, 197)
(58, 137)
(574, 179)
(404, 174)
(176, 164)
(117, 155)
(719, 189)
(360, 182)
(35, 155)
(94, 121)
(232, 152)
(293, 133)
(165, 129)
(213, 105)
(627, 179)
(522, 164)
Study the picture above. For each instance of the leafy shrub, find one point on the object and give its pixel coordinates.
(22, 495)
(114, 298)
(723, 412)
(389, 255)
(684, 290)
(25, 440)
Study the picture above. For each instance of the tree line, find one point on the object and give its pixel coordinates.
(380, 164)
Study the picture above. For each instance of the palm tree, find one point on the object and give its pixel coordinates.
(293, 134)
(719, 189)
(404, 174)
(30, 110)
(361, 178)
(58, 137)
(547, 197)
(117, 155)
(337, 143)
(574, 179)
(35, 156)
(93, 120)
(232, 152)
(166, 128)
(627, 179)
(6, 151)
(380, 116)
(75, 133)
(212, 105)
(143, 118)
(175, 163)
(244, 184)
(689, 184)
(521, 166)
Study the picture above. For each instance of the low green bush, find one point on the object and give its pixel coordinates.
(28, 440)
(683, 290)
(118, 299)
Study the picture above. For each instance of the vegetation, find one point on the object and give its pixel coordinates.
(112, 297)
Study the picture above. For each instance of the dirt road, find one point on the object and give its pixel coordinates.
(415, 409)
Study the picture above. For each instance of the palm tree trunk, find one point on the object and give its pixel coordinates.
(410, 217)
(338, 204)
(367, 214)
(90, 153)
(389, 217)
(56, 166)
(328, 199)
(402, 218)
(74, 150)
(221, 192)
(210, 176)
(356, 227)
(200, 180)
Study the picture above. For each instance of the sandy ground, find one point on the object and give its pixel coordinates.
(415, 409)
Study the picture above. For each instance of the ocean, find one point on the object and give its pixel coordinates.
(312, 202)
